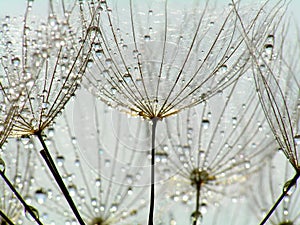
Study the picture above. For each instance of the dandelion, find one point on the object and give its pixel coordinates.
(277, 84)
(104, 172)
(216, 146)
(154, 59)
(49, 61)
(17, 169)
(274, 176)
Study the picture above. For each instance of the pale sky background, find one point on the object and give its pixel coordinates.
(17, 8)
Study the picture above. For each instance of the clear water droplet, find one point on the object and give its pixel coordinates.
(60, 160)
(127, 77)
(113, 208)
(205, 123)
(147, 37)
(287, 185)
(98, 182)
(34, 211)
(93, 201)
(203, 208)
(99, 53)
(196, 217)
(25, 139)
(40, 196)
(297, 139)
(16, 61)
(2, 165)
(223, 69)
(72, 190)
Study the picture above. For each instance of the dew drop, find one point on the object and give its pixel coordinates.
(113, 208)
(108, 61)
(247, 164)
(93, 30)
(93, 201)
(127, 77)
(203, 208)
(60, 160)
(99, 53)
(2, 166)
(34, 211)
(196, 217)
(16, 61)
(297, 139)
(205, 123)
(291, 189)
(223, 68)
(25, 139)
(147, 37)
(40, 196)
(98, 182)
(72, 190)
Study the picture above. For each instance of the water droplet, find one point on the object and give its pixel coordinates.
(127, 77)
(72, 190)
(93, 201)
(196, 217)
(205, 123)
(113, 208)
(77, 162)
(40, 196)
(25, 139)
(113, 90)
(161, 156)
(129, 192)
(93, 30)
(269, 50)
(203, 208)
(45, 105)
(234, 120)
(247, 164)
(98, 182)
(16, 61)
(147, 37)
(34, 211)
(50, 132)
(223, 68)
(60, 160)
(108, 61)
(291, 189)
(297, 139)
(90, 63)
(2, 165)
(99, 53)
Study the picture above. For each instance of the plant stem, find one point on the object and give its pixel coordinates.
(16, 193)
(51, 165)
(6, 219)
(292, 182)
(151, 211)
(197, 202)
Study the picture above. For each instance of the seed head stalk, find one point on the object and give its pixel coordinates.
(20, 198)
(152, 191)
(51, 165)
(284, 193)
(5, 217)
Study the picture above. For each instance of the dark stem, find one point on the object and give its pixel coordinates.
(6, 219)
(151, 210)
(281, 197)
(198, 186)
(51, 165)
(16, 193)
